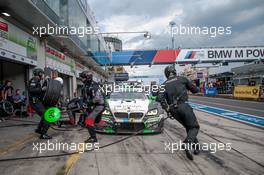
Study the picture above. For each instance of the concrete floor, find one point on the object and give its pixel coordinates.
(144, 154)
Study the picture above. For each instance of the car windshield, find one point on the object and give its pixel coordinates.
(127, 95)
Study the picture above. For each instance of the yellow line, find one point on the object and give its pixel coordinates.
(17, 144)
(71, 161)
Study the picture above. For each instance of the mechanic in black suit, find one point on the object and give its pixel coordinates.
(94, 99)
(36, 93)
(175, 101)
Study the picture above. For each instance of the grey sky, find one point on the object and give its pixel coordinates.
(244, 16)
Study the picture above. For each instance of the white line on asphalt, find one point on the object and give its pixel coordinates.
(227, 117)
(195, 100)
(229, 99)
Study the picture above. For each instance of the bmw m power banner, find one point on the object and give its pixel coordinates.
(181, 55)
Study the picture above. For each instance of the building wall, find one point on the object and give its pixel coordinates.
(69, 12)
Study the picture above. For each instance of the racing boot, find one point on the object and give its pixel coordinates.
(196, 151)
(196, 147)
(45, 136)
(91, 140)
(188, 151)
(92, 132)
(188, 154)
(38, 131)
(39, 128)
(60, 123)
(44, 131)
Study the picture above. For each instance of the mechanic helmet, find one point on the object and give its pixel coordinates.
(38, 72)
(59, 79)
(169, 71)
(87, 76)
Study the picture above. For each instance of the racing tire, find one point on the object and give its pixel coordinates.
(6, 108)
(53, 93)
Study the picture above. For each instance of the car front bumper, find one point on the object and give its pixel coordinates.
(149, 125)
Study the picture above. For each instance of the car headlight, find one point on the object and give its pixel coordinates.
(106, 112)
(152, 112)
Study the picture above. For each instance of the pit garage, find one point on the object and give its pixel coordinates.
(18, 76)
(18, 53)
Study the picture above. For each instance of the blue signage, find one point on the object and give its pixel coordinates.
(210, 92)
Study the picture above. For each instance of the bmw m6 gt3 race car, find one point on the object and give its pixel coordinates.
(130, 112)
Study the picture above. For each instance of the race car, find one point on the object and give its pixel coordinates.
(130, 112)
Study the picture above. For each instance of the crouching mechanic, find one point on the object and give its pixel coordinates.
(70, 113)
(174, 100)
(36, 94)
(94, 99)
(73, 107)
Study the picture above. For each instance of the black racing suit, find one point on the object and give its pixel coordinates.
(174, 100)
(35, 99)
(94, 99)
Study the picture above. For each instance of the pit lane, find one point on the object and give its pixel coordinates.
(144, 154)
(243, 106)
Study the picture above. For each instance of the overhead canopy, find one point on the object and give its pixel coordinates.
(249, 69)
(221, 75)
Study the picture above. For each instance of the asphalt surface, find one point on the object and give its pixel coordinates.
(144, 154)
(243, 106)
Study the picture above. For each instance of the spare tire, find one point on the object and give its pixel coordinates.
(52, 93)
(6, 108)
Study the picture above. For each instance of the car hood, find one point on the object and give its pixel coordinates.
(123, 105)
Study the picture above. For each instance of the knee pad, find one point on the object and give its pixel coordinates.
(89, 122)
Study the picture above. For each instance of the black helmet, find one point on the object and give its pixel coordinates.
(38, 72)
(170, 70)
(87, 75)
